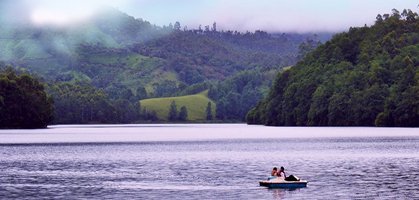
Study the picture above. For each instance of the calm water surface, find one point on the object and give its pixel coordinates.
(207, 162)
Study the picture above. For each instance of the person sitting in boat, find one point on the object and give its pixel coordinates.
(273, 173)
(282, 175)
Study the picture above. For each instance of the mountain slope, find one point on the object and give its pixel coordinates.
(367, 76)
(192, 55)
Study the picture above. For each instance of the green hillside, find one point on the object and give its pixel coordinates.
(364, 77)
(124, 59)
(195, 104)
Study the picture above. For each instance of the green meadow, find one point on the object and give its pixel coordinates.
(196, 105)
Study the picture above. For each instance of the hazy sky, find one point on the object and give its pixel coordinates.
(269, 15)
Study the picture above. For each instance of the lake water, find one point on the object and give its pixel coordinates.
(207, 162)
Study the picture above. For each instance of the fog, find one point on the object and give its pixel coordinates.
(242, 15)
(49, 12)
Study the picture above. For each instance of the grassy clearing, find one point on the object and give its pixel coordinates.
(196, 105)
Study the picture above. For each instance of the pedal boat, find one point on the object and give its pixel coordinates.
(280, 183)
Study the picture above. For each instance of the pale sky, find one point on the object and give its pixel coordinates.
(242, 15)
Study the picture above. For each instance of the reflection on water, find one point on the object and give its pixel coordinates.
(158, 162)
(283, 193)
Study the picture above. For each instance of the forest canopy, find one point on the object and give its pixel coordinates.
(364, 77)
(23, 101)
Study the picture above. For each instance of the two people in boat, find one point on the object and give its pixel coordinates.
(275, 174)
(278, 174)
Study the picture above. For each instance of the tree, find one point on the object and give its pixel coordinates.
(214, 27)
(149, 115)
(379, 18)
(306, 47)
(23, 101)
(165, 88)
(125, 111)
(141, 93)
(183, 114)
(173, 111)
(177, 26)
(209, 111)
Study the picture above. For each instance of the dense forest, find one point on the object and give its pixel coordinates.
(239, 93)
(368, 76)
(81, 103)
(99, 71)
(23, 100)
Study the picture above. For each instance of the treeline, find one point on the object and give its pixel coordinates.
(368, 76)
(237, 95)
(199, 57)
(23, 101)
(26, 102)
(81, 103)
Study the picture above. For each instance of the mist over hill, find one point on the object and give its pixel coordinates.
(131, 59)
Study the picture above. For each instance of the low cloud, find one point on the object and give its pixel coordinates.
(242, 15)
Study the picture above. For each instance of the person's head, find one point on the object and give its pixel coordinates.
(282, 169)
(275, 169)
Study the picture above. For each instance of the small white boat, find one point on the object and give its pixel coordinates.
(281, 183)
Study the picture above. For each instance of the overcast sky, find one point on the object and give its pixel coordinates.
(243, 15)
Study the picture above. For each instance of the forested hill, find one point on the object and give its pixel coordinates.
(115, 43)
(115, 59)
(364, 77)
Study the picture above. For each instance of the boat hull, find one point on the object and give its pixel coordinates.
(284, 184)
